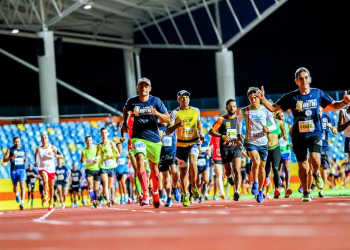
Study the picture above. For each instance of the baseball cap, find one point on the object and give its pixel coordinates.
(144, 79)
(182, 92)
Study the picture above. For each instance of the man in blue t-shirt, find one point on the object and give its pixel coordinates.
(63, 176)
(16, 155)
(168, 164)
(327, 125)
(307, 128)
(146, 142)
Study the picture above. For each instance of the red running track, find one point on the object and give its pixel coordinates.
(276, 224)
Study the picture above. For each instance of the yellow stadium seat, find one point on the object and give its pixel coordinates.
(94, 124)
(116, 139)
(51, 131)
(72, 147)
(21, 127)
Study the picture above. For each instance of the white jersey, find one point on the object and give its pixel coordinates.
(45, 161)
(254, 121)
(346, 119)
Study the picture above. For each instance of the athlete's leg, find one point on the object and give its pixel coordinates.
(255, 157)
(141, 173)
(286, 165)
(219, 182)
(64, 192)
(60, 193)
(97, 190)
(237, 162)
(193, 169)
(51, 183)
(276, 159)
(261, 174)
(184, 179)
(104, 178)
(303, 173)
(44, 177)
(23, 190)
(123, 185)
(167, 182)
(309, 175)
(175, 175)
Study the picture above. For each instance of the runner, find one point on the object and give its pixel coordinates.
(285, 147)
(45, 162)
(203, 165)
(83, 186)
(186, 120)
(75, 184)
(146, 140)
(32, 175)
(122, 173)
(168, 165)
(16, 155)
(93, 176)
(274, 155)
(307, 129)
(256, 117)
(107, 152)
(63, 176)
(327, 125)
(218, 168)
(225, 128)
(344, 125)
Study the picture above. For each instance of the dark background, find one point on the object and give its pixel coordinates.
(313, 34)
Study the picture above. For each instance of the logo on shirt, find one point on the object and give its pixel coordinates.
(228, 124)
(188, 120)
(325, 119)
(308, 104)
(308, 112)
(142, 111)
(299, 106)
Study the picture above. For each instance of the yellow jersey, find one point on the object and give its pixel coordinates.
(188, 134)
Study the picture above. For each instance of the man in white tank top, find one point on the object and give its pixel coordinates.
(45, 162)
(344, 125)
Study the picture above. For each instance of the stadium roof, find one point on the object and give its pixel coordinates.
(129, 24)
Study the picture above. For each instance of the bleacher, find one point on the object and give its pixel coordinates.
(69, 138)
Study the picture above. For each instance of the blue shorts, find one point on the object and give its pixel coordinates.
(110, 172)
(62, 183)
(201, 169)
(262, 150)
(347, 145)
(120, 170)
(18, 175)
(183, 153)
(286, 156)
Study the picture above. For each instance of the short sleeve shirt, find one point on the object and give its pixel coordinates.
(326, 119)
(145, 123)
(305, 109)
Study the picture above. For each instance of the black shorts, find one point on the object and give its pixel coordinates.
(274, 157)
(325, 159)
(201, 169)
(110, 172)
(300, 147)
(84, 188)
(119, 176)
(248, 168)
(244, 174)
(95, 173)
(32, 185)
(217, 161)
(166, 161)
(228, 155)
(76, 188)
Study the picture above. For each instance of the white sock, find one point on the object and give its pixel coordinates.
(126, 197)
(220, 183)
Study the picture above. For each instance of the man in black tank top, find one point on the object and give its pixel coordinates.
(225, 128)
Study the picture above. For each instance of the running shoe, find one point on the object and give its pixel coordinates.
(267, 196)
(311, 197)
(206, 197)
(84, 202)
(280, 183)
(313, 186)
(169, 202)
(255, 190)
(222, 196)
(288, 193)
(18, 200)
(156, 202)
(306, 197)
(130, 201)
(300, 189)
(109, 204)
(145, 200)
(215, 198)
(50, 207)
(200, 199)
(177, 195)
(64, 206)
(276, 194)
(321, 194)
(318, 180)
(195, 192)
(21, 207)
(32, 204)
(94, 205)
(260, 197)
(28, 201)
(45, 198)
(76, 205)
(164, 197)
(186, 200)
(140, 199)
(236, 196)
(231, 181)
(266, 182)
(182, 198)
(191, 199)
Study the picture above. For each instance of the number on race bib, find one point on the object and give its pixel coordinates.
(188, 132)
(232, 133)
(75, 179)
(60, 177)
(201, 162)
(258, 134)
(32, 180)
(121, 161)
(19, 161)
(109, 163)
(306, 126)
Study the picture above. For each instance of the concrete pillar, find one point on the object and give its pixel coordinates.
(130, 73)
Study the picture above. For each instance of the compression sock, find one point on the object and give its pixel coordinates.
(155, 181)
(92, 195)
(142, 176)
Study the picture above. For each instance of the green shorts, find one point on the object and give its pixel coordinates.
(151, 150)
(132, 154)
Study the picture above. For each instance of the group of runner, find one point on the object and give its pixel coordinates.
(173, 145)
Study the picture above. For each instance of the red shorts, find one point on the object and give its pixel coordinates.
(51, 176)
(348, 175)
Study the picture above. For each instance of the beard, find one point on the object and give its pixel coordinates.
(231, 112)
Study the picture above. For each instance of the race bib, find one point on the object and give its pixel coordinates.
(60, 177)
(258, 134)
(167, 141)
(306, 126)
(282, 142)
(75, 179)
(218, 152)
(139, 146)
(90, 161)
(19, 161)
(121, 161)
(32, 180)
(201, 162)
(49, 167)
(324, 135)
(109, 163)
(188, 132)
(232, 133)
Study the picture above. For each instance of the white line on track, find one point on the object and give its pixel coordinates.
(1, 213)
(45, 216)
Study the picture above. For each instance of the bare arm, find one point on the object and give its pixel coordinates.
(116, 155)
(58, 154)
(97, 153)
(199, 126)
(341, 125)
(82, 158)
(171, 128)
(284, 135)
(163, 118)
(271, 107)
(7, 157)
(35, 155)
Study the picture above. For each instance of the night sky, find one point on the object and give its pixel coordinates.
(313, 34)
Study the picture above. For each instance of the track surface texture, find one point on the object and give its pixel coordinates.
(226, 224)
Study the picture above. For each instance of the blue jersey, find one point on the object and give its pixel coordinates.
(145, 124)
(30, 175)
(305, 109)
(203, 160)
(325, 119)
(76, 176)
(169, 142)
(62, 173)
(122, 160)
(18, 162)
